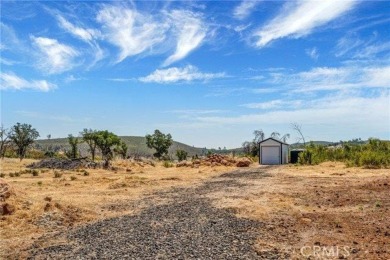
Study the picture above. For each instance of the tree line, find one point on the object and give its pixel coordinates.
(20, 137)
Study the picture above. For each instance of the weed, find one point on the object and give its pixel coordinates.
(85, 173)
(11, 174)
(17, 174)
(57, 174)
(2, 175)
(73, 178)
(167, 164)
(35, 173)
(378, 204)
(39, 183)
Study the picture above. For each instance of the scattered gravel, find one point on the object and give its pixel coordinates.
(186, 227)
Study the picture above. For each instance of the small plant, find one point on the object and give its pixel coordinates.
(35, 173)
(85, 173)
(378, 204)
(167, 164)
(2, 175)
(73, 178)
(39, 183)
(181, 155)
(11, 174)
(57, 174)
(17, 174)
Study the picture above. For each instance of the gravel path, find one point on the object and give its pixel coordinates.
(187, 227)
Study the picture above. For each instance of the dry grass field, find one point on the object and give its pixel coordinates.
(299, 206)
(46, 204)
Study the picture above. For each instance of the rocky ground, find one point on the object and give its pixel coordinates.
(188, 226)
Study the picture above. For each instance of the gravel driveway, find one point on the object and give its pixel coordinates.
(187, 227)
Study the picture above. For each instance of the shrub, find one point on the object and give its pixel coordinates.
(181, 155)
(17, 174)
(85, 173)
(11, 174)
(167, 164)
(73, 178)
(39, 183)
(2, 175)
(374, 154)
(35, 173)
(57, 174)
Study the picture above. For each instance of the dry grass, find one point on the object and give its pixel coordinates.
(327, 204)
(45, 204)
(299, 205)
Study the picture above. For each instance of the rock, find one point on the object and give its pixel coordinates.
(6, 209)
(245, 162)
(5, 190)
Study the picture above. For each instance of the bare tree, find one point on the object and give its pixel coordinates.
(275, 135)
(259, 136)
(285, 137)
(298, 128)
(5, 142)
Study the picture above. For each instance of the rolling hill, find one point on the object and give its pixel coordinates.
(136, 146)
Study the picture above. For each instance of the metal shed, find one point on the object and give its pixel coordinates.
(273, 152)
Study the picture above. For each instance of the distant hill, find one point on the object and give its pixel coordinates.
(136, 144)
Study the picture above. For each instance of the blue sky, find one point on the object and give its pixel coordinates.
(207, 72)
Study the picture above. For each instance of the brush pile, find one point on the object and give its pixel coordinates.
(64, 164)
(216, 160)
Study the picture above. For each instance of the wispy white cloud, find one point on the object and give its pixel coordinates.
(58, 118)
(131, 31)
(12, 81)
(9, 39)
(341, 110)
(84, 34)
(54, 57)
(190, 31)
(244, 9)
(174, 74)
(275, 104)
(301, 18)
(313, 53)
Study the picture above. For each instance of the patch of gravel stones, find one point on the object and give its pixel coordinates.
(188, 227)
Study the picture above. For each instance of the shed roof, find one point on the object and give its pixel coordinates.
(271, 138)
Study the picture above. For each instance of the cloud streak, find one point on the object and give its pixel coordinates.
(131, 31)
(244, 9)
(174, 74)
(12, 81)
(54, 57)
(300, 19)
(191, 32)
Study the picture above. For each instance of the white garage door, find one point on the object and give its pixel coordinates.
(270, 155)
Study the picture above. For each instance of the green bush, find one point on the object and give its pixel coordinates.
(375, 154)
(167, 164)
(181, 155)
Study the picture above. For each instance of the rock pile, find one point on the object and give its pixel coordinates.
(5, 193)
(216, 160)
(64, 164)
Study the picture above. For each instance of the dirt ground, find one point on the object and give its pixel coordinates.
(307, 211)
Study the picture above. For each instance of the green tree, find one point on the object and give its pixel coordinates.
(160, 142)
(73, 142)
(23, 135)
(105, 141)
(121, 149)
(181, 155)
(90, 136)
